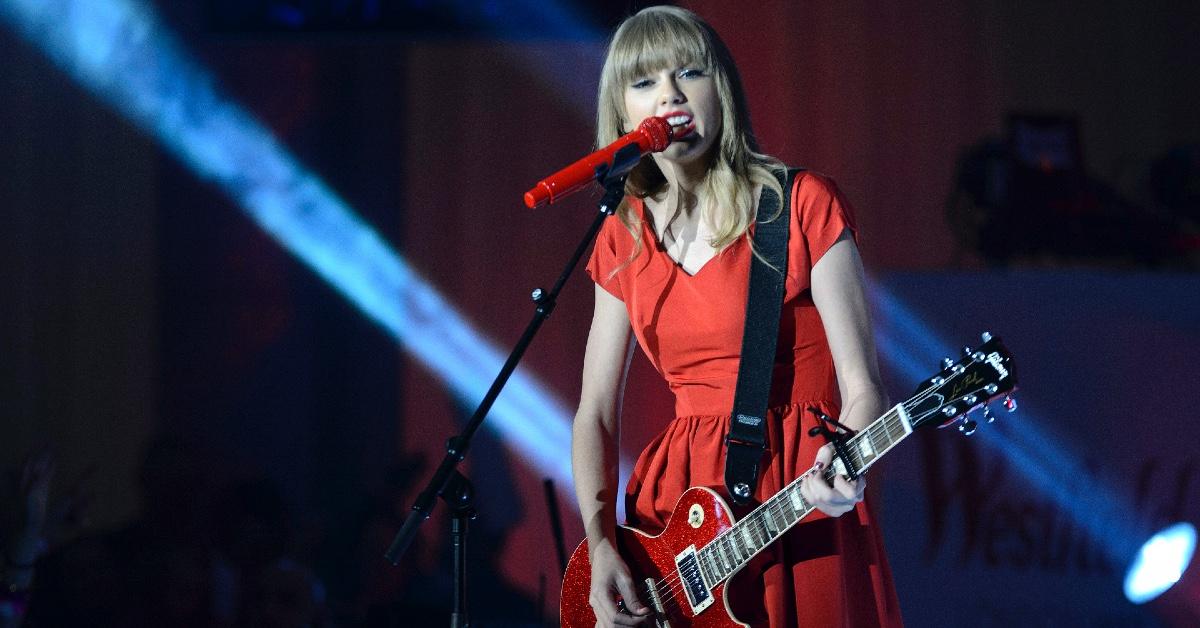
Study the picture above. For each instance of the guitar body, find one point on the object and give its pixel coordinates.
(699, 516)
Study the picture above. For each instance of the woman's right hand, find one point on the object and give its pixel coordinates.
(610, 581)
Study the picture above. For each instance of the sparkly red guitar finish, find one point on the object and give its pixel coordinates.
(682, 573)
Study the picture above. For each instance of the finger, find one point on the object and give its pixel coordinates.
(843, 490)
(825, 455)
(818, 490)
(622, 619)
(603, 608)
(628, 595)
(816, 493)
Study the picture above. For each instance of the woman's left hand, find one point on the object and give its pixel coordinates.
(835, 500)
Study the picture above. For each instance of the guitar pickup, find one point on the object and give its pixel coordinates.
(688, 565)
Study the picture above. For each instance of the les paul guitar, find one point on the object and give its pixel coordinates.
(682, 573)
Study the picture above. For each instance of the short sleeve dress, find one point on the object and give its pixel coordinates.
(827, 571)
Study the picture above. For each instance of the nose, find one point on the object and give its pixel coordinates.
(671, 94)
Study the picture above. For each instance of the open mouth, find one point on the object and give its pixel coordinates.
(682, 125)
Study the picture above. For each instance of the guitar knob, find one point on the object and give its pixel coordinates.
(968, 351)
(986, 337)
(991, 389)
(947, 363)
(970, 400)
(987, 414)
(1010, 404)
(967, 427)
(949, 410)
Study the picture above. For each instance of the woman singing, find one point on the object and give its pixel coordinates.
(672, 272)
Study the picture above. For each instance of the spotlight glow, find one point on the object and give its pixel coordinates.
(1023, 439)
(122, 53)
(1160, 563)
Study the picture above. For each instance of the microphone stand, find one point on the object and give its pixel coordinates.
(447, 482)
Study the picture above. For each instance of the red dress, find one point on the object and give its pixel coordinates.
(825, 572)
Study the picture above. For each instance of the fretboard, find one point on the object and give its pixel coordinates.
(733, 548)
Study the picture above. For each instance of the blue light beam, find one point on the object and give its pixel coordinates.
(1040, 457)
(122, 53)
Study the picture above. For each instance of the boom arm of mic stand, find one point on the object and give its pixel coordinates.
(456, 447)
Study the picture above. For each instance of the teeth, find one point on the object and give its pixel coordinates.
(678, 120)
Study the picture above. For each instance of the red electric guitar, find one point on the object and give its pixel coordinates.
(682, 573)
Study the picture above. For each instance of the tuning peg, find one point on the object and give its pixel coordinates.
(947, 363)
(987, 414)
(1010, 404)
(986, 337)
(968, 351)
(968, 427)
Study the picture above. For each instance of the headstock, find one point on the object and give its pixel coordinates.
(980, 376)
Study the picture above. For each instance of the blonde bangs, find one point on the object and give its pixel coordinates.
(661, 41)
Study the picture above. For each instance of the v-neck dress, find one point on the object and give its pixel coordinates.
(826, 571)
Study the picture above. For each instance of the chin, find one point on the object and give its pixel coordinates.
(685, 154)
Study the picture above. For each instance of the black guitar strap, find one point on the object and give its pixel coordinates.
(747, 438)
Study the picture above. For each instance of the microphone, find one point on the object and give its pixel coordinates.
(651, 136)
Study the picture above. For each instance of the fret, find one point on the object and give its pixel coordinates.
(747, 535)
(868, 447)
(780, 514)
(706, 570)
(723, 563)
(730, 552)
(770, 522)
(797, 501)
(772, 518)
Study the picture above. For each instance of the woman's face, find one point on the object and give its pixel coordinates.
(687, 97)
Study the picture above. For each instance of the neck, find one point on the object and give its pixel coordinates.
(683, 177)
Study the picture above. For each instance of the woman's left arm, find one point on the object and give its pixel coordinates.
(838, 290)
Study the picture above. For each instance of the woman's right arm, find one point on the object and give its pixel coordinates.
(595, 457)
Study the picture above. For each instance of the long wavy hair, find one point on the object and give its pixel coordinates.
(667, 37)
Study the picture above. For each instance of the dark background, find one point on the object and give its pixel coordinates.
(142, 311)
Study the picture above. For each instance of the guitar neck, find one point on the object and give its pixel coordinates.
(735, 547)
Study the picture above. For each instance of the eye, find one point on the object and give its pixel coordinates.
(691, 73)
(641, 83)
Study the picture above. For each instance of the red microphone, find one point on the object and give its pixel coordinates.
(651, 136)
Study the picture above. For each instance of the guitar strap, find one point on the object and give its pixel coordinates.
(747, 438)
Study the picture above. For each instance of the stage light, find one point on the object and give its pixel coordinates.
(1160, 563)
(123, 54)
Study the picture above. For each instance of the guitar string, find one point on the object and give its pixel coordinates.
(674, 584)
(773, 506)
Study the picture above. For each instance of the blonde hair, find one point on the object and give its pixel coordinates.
(665, 36)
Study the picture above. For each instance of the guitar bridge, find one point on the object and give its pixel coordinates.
(660, 611)
(688, 565)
